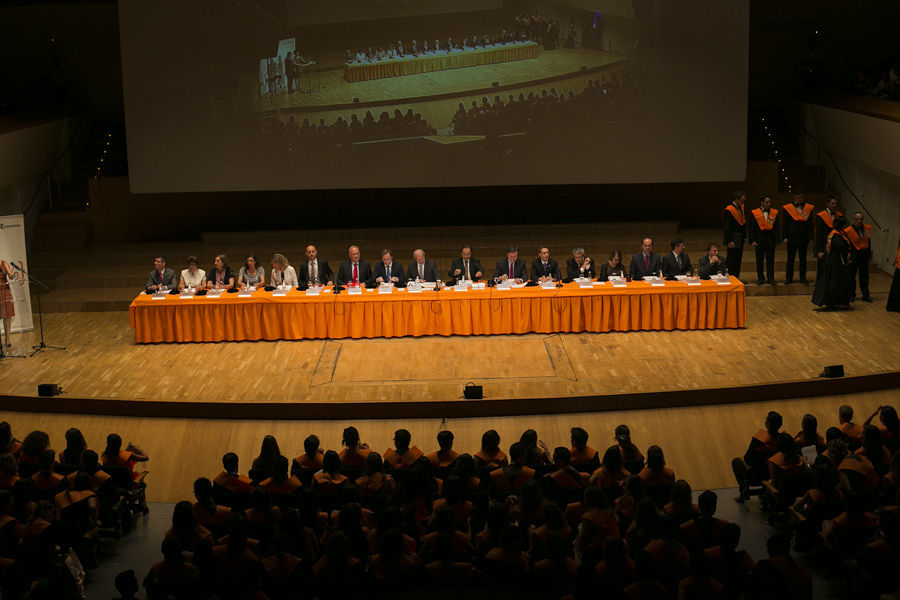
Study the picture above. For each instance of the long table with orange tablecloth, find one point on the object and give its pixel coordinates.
(428, 63)
(638, 306)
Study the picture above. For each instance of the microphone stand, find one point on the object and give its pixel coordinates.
(42, 288)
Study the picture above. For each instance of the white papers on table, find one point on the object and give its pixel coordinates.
(548, 285)
(354, 289)
(386, 288)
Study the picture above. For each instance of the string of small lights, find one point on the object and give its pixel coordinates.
(769, 130)
(100, 164)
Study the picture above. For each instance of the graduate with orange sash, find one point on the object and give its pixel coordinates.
(763, 236)
(834, 288)
(796, 232)
(861, 252)
(824, 221)
(734, 225)
(893, 303)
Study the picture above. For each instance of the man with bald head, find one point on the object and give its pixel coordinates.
(354, 271)
(646, 262)
(861, 252)
(421, 269)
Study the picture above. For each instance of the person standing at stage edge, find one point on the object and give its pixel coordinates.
(860, 248)
(824, 225)
(893, 302)
(796, 232)
(762, 235)
(735, 228)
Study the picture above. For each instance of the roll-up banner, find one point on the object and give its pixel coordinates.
(13, 266)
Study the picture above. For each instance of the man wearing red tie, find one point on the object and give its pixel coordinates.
(762, 236)
(734, 225)
(861, 250)
(824, 224)
(354, 271)
(512, 267)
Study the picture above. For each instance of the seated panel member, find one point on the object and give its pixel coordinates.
(282, 271)
(161, 276)
(315, 270)
(221, 275)
(612, 268)
(676, 263)
(252, 274)
(193, 276)
(422, 269)
(388, 270)
(711, 264)
(354, 271)
(465, 267)
(646, 262)
(511, 267)
(545, 268)
(580, 265)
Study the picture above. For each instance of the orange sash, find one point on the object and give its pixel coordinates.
(840, 233)
(763, 220)
(859, 242)
(897, 260)
(827, 218)
(802, 215)
(737, 214)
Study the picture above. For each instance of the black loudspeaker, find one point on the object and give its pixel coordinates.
(49, 389)
(356, 101)
(495, 84)
(473, 392)
(833, 371)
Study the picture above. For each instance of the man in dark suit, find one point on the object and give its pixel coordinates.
(734, 226)
(511, 267)
(580, 265)
(824, 220)
(388, 271)
(421, 269)
(762, 234)
(545, 268)
(796, 232)
(161, 276)
(354, 271)
(676, 262)
(315, 270)
(646, 262)
(465, 267)
(710, 263)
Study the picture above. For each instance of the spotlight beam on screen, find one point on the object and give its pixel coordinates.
(328, 94)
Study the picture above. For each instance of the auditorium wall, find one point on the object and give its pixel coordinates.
(119, 215)
(867, 152)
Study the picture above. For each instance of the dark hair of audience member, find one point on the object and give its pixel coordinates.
(656, 460)
(6, 436)
(183, 521)
(280, 470)
(113, 446)
(374, 464)
(402, 439)
(445, 440)
(9, 466)
(891, 421)
(874, 449)
(833, 433)
(350, 437)
(75, 447)
(268, 452)
(311, 445)
(490, 441)
(810, 428)
(465, 468)
(773, 421)
(331, 463)
(788, 447)
(35, 443)
(612, 459)
(579, 438)
(623, 437)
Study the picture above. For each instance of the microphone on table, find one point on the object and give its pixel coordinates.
(15, 266)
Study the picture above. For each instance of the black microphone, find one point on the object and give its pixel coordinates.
(15, 266)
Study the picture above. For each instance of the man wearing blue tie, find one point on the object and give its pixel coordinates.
(545, 268)
(388, 271)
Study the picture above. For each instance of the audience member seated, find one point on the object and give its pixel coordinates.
(207, 513)
(536, 451)
(727, 564)
(70, 458)
(612, 474)
(490, 455)
(752, 468)
(330, 479)
(783, 571)
(229, 479)
(32, 446)
(584, 458)
(173, 576)
(114, 456)
(9, 471)
(263, 465)
(852, 430)
(354, 453)
(8, 443)
(512, 477)
(445, 456)
(809, 435)
(889, 428)
(311, 459)
(632, 459)
(565, 477)
(402, 456)
(374, 481)
(681, 507)
(281, 483)
(704, 530)
(46, 481)
(185, 529)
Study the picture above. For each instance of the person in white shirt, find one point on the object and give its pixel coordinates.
(282, 271)
(193, 276)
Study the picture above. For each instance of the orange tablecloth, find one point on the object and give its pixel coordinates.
(411, 65)
(638, 306)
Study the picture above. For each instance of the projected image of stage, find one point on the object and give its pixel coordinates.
(433, 94)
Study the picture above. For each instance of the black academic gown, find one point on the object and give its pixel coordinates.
(835, 286)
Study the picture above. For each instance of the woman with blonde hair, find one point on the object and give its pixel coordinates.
(282, 272)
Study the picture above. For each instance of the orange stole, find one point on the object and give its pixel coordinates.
(897, 260)
(801, 215)
(827, 218)
(737, 214)
(860, 242)
(840, 233)
(763, 220)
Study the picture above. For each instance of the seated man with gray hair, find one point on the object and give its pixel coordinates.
(421, 269)
(580, 265)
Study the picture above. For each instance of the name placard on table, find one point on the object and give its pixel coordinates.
(414, 287)
(548, 285)
(354, 289)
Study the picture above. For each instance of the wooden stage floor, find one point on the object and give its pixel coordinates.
(335, 90)
(785, 340)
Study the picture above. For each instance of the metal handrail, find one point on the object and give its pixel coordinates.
(820, 150)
